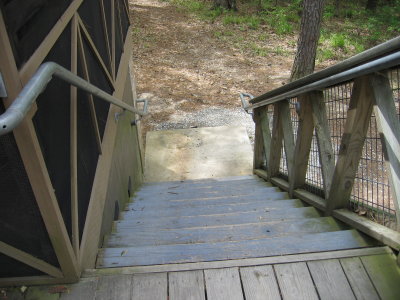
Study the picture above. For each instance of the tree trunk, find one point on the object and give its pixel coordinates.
(227, 4)
(371, 5)
(307, 43)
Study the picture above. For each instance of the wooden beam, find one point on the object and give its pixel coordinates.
(288, 137)
(379, 232)
(106, 36)
(33, 280)
(74, 139)
(30, 260)
(95, 51)
(30, 67)
(258, 157)
(91, 233)
(276, 143)
(355, 130)
(32, 157)
(92, 108)
(325, 150)
(389, 131)
(303, 143)
(113, 66)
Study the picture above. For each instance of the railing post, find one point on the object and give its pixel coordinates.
(262, 137)
(389, 131)
(276, 143)
(357, 122)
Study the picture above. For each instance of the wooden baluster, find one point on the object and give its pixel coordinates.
(389, 131)
(325, 150)
(355, 130)
(303, 143)
(258, 143)
(288, 137)
(276, 144)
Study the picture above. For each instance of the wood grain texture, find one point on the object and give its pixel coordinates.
(187, 285)
(355, 130)
(389, 131)
(114, 287)
(288, 136)
(276, 143)
(223, 284)
(384, 273)
(185, 253)
(330, 280)
(266, 133)
(295, 281)
(259, 283)
(83, 290)
(358, 278)
(258, 156)
(150, 286)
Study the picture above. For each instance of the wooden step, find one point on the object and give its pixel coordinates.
(205, 180)
(140, 237)
(183, 253)
(203, 193)
(219, 219)
(204, 185)
(189, 210)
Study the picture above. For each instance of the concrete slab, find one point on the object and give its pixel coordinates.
(196, 153)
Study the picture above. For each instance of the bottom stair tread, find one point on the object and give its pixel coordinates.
(184, 253)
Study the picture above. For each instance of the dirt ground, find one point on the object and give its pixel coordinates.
(184, 64)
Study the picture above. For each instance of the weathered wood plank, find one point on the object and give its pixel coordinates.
(150, 286)
(259, 283)
(200, 181)
(164, 254)
(288, 136)
(355, 130)
(358, 278)
(303, 143)
(223, 284)
(276, 143)
(189, 210)
(130, 237)
(139, 203)
(258, 156)
(295, 281)
(389, 131)
(258, 261)
(330, 279)
(220, 219)
(187, 285)
(266, 133)
(325, 150)
(114, 287)
(384, 273)
(83, 290)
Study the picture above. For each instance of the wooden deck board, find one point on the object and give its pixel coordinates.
(150, 286)
(140, 237)
(259, 283)
(295, 281)
(114, 287)
(164, 254)
(186, 285)
(330, 280)
(223, 284)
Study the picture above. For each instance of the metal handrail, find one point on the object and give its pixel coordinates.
(368, 68)
(13, 116)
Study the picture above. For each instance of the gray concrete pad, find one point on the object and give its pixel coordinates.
(196, 153)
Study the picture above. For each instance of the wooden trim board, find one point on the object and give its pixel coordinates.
(238, 262)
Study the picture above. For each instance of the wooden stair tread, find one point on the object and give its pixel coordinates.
(204, 180)
(189, 210)
(165, 254)
(140, 237)
(219, 219)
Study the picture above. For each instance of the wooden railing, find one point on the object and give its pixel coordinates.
(332, 139)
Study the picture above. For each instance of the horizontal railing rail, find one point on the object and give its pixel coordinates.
(332, 139)
(36, 85)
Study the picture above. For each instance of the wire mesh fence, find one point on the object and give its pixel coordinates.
(371, 194)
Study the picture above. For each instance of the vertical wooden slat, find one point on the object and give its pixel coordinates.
(276, 144)
(258, 142)
(74, 140)
(113, 67)
(303, 143)
(288, 137)
(266, 133)
(106, 36)
(355, 130)
(325, 150)
(90, 96)
(35, 166)
(389, 131)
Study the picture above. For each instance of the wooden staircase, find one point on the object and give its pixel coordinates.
(219, 219)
